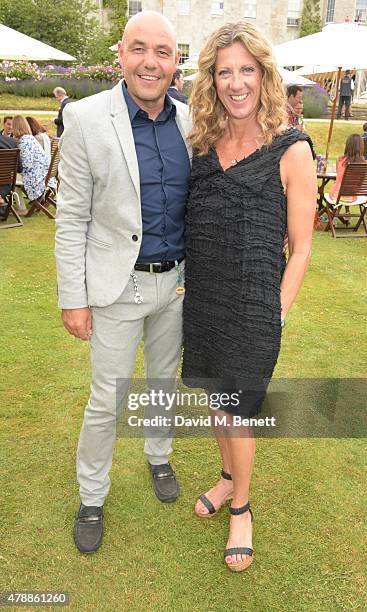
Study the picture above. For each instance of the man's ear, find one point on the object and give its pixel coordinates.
(120, 52)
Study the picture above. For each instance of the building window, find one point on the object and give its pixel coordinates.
(184, 52)
(250, 9)
(361, 10)
(217, 8)
(184, 7)
(294, 12)
(134, 7)
(330, 11)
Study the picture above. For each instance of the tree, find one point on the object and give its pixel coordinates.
(64, 24)
(310, 18)
(117, 18)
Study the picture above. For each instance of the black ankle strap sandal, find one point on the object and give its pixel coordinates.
(239, 550)
(208, 504)
(225, 475)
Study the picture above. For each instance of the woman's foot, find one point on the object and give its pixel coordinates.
(216, 497)
(240, 536)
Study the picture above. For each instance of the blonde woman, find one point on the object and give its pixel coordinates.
(34, 160)
(252, 180)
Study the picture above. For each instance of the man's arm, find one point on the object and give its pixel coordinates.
(58, 119)
(72, 218)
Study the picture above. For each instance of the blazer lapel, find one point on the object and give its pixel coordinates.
(184, 124)
(121, 122)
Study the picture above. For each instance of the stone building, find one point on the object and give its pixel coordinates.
(278, 19)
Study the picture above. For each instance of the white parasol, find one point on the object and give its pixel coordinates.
(17, 46)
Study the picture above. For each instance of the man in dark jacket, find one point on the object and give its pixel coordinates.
(60, 95)
(7, 143)
(176, 88)
(345, 95)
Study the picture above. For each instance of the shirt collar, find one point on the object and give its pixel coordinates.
(169, 109)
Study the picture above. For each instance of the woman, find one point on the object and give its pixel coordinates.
(353, 152)
(40, 135)
(252, 180)
(34, 160)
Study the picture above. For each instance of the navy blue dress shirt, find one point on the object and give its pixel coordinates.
(164, 169)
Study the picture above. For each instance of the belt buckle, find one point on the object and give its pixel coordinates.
(151, 267)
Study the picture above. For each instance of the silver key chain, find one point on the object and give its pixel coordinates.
(180, 289)
(138, 298)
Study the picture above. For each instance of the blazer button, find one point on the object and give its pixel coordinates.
(134, 237)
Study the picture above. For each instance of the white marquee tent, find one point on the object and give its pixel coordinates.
(17, 46)
(338, 45)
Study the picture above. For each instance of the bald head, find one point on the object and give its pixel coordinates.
(149, 19)
(148, 56)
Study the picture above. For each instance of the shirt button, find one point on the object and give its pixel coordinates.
(134, 238)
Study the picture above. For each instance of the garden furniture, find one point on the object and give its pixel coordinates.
(8, 173)
(354, 183)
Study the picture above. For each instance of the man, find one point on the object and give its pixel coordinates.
(121, 206)
(61, 96)
(295, 107)
(9, 143)
(8, 127)
(345, 96)
(176, 89)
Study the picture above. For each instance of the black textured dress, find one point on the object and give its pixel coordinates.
(235, 228)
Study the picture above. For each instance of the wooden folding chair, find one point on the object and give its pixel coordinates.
(50, 194)
(354, 183)
(8, 176)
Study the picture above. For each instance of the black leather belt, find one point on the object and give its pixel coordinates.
(164, 266)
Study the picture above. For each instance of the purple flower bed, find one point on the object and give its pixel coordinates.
(20, 70)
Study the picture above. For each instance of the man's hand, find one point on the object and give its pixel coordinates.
(78, 322)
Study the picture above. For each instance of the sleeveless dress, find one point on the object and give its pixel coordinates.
(235, 227)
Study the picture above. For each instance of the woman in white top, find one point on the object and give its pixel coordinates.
(34, 160)
(40, 134)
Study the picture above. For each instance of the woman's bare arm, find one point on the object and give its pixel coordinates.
(300, 183)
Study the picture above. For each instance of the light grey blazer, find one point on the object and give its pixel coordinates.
(98, 206)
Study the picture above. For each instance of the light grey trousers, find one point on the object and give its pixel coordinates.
(117, 332)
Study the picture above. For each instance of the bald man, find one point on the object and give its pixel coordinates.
(124, 173)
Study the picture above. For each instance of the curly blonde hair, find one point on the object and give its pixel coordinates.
(208, 113)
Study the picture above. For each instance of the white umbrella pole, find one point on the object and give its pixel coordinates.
(333, 113)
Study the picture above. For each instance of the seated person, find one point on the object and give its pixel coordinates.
(34, 160)
(7, 127)
(353, 153)
(364, 138)
(41, 135)
(9, 143)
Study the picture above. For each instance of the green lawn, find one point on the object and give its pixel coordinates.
(308, 495)
(341, 131)
(11, 101)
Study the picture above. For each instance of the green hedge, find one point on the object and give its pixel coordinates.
(75, 88)
(315, 101)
